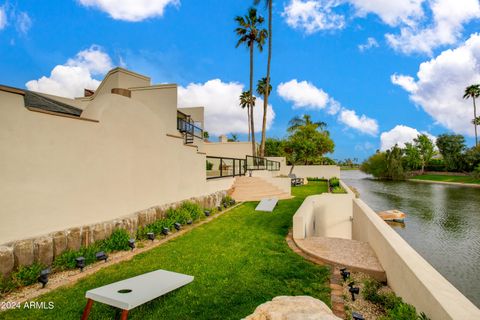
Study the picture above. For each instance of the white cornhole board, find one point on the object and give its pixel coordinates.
(267, 204)
(144, 288)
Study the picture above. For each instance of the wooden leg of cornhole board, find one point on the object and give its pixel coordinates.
(87, 309)
(124, 315)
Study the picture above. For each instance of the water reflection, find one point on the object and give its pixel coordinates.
(442, 224)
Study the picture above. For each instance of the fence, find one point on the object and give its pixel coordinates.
(220, 167)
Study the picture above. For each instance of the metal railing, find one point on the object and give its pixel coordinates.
(257, 163)
(220, 167)
(185, 126)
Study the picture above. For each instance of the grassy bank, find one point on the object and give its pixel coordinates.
(447, 178)
(239, 261)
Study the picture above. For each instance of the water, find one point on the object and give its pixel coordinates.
(442, 224)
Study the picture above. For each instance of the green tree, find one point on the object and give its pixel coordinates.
(376, 165)
(269, 4)
(250, 33)
(394, 163)
(274, 147)
(451, 147)
(308, 141)
(233, 138)
(206, 135)
(425, 149)
(412, 156)
(473, 91)
(247, 101)
(262, 90)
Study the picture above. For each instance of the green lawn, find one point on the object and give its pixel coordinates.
(447, 178)
(239, 261)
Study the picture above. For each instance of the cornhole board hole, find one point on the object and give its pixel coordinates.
(133, 292)
(267, 204)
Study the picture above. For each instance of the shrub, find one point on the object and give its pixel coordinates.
(338, 189)
(226, 201)
(118, 241)
(194, 209)
(476, 172)
(370, 290)
(6, 284)
(316, 179)
(209, 165)
(334, 182)
(401, 311)
(27, 275)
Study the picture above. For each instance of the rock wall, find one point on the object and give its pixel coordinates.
(46, 248)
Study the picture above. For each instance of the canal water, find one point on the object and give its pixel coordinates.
(442, 224)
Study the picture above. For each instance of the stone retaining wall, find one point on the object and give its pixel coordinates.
(44, 249)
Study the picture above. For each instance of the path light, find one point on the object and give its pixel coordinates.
(177, 225)
(131, 243)
(43, 278)
(189, 221)
(101, 256)
(357, 316)
(353, 290)
(345, 274)
(165, 231)
(225, 205)
(207, 212)
(151, 236)
(232, 202)
(80, 263)
(219, 208)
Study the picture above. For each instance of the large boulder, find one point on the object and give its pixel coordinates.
(43, 248)
(23, 252)
(7, 260)
(293, 308)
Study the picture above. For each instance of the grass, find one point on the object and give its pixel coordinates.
(239, 261)
(447, 178)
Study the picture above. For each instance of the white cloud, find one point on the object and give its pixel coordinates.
(3, 18)
(400, 135)
(303, 94)
(361, 123)
(76, 74)
(223, 113)
(23, 22)
(441, 82)
(313, 15)
(131, 10)
(371, 43)
(391, 12)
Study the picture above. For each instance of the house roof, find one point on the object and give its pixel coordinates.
(38, 101)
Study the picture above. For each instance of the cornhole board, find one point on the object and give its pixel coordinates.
(133, 292)
(267, 204)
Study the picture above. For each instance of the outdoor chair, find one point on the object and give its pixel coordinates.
(295, 181)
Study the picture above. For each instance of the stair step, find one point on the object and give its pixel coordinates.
(255, 189)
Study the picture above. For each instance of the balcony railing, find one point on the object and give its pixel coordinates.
(220, 167)
(257, 163)
(185, 125)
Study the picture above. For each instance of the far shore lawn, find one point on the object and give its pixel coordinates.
(447, 178)
(239, 261)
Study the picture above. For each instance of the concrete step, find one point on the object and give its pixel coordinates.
(255, 189)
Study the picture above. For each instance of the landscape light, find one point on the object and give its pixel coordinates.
(189, 221)
(177, 226)
(43, 278)
(225, 205)
(165, 231)
(353, 290)
(207, 212)
(151, 236)
(101, 256)
(219, 208)
(345, 274)
(232, 202)
(357, 316)
(80, 263)
(131, 243)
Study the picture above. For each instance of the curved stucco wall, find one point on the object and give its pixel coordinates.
(59, 172)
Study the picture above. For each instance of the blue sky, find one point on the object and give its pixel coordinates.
(378, 72)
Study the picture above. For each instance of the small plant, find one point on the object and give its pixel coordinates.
(27, 275)
(118, 241)
(370, 290)
(227, 201)
(338, 189)
(334, 182)
(401, 311)
(209, 165)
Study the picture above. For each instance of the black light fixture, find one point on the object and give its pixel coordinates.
(177, 226)
(353, 290)
(151, 236)
(225, 204)
(232, 202)
(189, 221)
(207, 212)
(80, 263)
(43, 277)
(219, 208)
(131, 243)
(101, 255)
(165, 231)
(345, 274)
(357, 316)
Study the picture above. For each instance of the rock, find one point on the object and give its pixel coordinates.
(43, 248)
(108, 229)
(142, 218)
(98, 232)
(86, 236)
(7, 260)
(59, 243)
(293, 308)
(74, 239)
(23, 252)
(151, 215)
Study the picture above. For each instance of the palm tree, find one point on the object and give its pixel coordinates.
(473, 92)
(305, 120)
(262, 90)
(268, 3)
(250, 34)
(476, 121)
(247, 101)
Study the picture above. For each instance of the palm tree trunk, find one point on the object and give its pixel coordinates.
(267, 93)
(248, 120)
(475, 124)
(251, 98)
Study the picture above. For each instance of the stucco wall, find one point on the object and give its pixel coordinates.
(313, 171)
(409, 275)
(228, 149)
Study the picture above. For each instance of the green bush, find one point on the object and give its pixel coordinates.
(25, 276)
(118, 241)
(226, 201)
(194, 209)
(401, 311)
(334, 182)
(209, 165)
(338, 189)
(370, 290)
(316, 179)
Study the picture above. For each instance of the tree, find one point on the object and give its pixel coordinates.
(274, 147)
(262, 90)
(412, 156)
(267, 79)
(376, 165)
(247, 101)
(308, 141)
(386, 165)
(473, 91)
(250, 34)
(425, 149)
(451, 147)
(234, 138)
(206, 135)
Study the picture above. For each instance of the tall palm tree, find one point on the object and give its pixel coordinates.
(305, 120)
(268, 3)
(246, 101)
(473, 92)
(250, 33)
